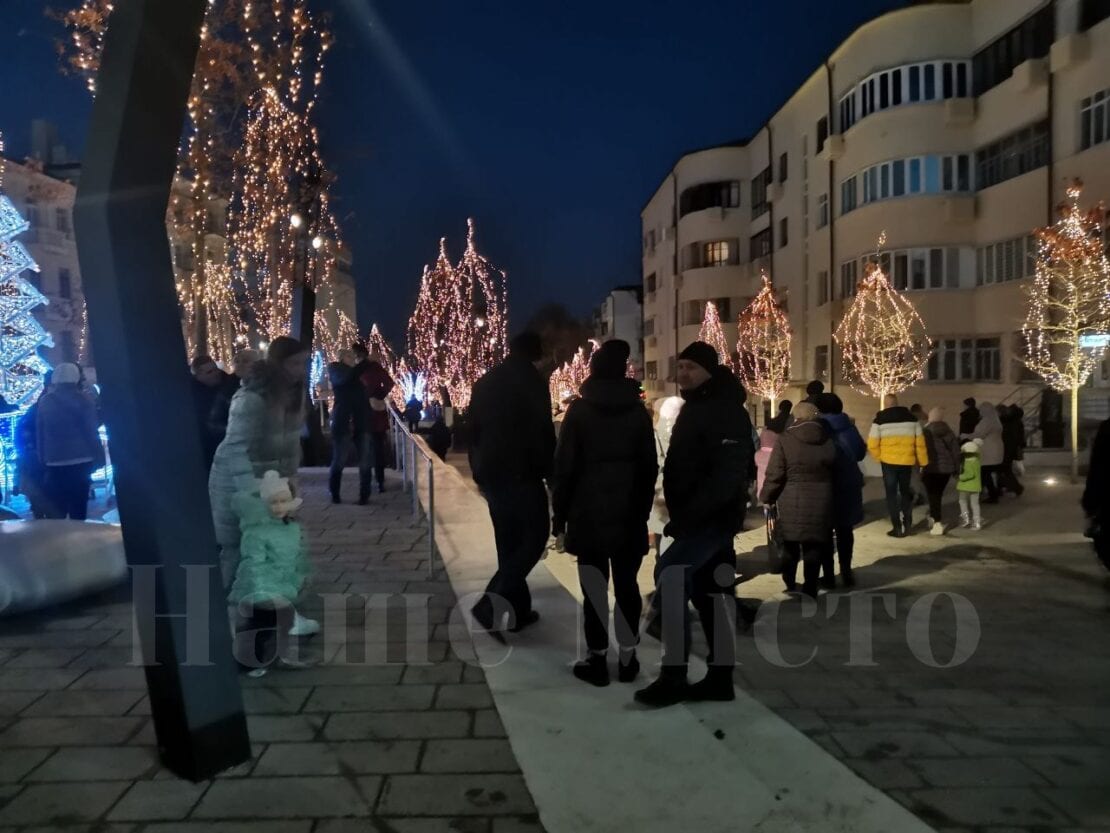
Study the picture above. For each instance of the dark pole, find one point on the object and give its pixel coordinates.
(135, 327)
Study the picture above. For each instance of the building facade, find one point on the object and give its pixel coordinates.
(621, 315)
(47, 204)
(954, 128)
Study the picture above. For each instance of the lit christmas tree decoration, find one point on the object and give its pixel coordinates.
(764, 345)
(712, 334)
(881, 337)
(1067, 324)
(567, 380)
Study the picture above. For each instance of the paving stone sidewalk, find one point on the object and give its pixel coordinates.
(379, 736)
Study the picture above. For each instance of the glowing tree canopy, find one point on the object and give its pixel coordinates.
(376, 343)
(764, 345)
(458, 329)
(882, 338)
(1069, 305)
(566, 381)
(712, 334)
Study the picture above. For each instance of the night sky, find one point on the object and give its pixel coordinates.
(551, 123)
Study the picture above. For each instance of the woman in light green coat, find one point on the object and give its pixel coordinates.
(263, 433)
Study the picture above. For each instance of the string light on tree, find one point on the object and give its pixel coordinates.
(1068, 317)
(567, 380)
(881, 337)
(713, 335)
(764, 345)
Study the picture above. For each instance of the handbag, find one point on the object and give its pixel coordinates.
(377, 404)
(776, 548)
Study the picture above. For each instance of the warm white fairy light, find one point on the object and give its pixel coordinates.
(712, 334)
(1069, 304)
(764, 345)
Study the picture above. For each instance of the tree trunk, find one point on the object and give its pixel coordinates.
(1075, 434)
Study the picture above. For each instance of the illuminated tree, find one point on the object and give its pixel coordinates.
(882, 338)
(566, 381)
(433, 337)
(483, 315)
(712, 334)
(1069, 305)
(764, 345)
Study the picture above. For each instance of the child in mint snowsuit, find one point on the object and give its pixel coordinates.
(970, 483)
(272, 561)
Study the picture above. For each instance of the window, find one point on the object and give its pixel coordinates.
(1032, 38)
(1007, 260)
(760, 206)
(849, 274)
(1094, 116)
(651, 370)
(34, 218)
(848, 195)
(966, 360)
(917, 269)
(822, 211)
(784, 232)
(821, 361)
(649, 327)
(918, 175)
(847, 111)
(604, 328)
(822, 287)
(650, 283)
(709, 195)
(907, 84)
(724, 308)
(783, 168)
(1016, 154)
(67, 346)
(1094, 11)
(716, 253)
(61, 221)
(761, 244)
(65, 284)
(822, 132)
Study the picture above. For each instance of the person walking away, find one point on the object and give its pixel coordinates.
(68, 439)
(943, 448)
(439, 438)
(413, 410)
(897, 442)
(1013, 448)
(799, 482)
(377, 384)
(813, 390)
(602, 491)
(989, 430)
(970, 484)
(208, 382)
(969, 418)
(783, 419)
(847, 487)
(512, 449)
(221, 404)
(263, 434)
(705, 480)
(350, 426)
(32, 473)
(1096, 494)
(768, 439)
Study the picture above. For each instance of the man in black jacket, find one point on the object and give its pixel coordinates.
(1096, 495)
(350, 424)
(705, 479)
(512, 446)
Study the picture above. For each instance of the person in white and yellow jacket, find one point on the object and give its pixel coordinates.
(897, 442)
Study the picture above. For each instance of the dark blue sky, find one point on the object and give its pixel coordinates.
(549, 122)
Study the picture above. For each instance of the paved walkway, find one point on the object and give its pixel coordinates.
(377, 738)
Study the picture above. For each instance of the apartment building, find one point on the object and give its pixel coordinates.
(621, 315)
(47, 204)
(954, 128)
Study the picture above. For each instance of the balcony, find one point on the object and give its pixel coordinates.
(1069, 52)
(834, 148)
(959, 112)
(1031, 75)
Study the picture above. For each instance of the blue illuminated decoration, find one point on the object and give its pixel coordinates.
(316, 373)
(414, 384)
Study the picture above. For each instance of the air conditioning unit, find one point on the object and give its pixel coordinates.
(834, 148)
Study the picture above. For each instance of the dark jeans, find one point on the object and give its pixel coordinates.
(340, 451)
(899, 496)
(844, 546)
(521, 525)
(990, 481)
(1007, 479)
(811, 554)
(700, 569)
(67, 488)
(593, 574)
(377, 440)
(935, 484)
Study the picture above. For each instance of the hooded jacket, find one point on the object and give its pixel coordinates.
(350, 407)
(989, 430)
(799, 481)
(971, 468)
(896, 438)
(944, 448)
(969, 418)
(709, 460)
(847, 477)
(1013, 434)
(66, 428)
(605, 470)
(511, 435)
(376, 384)
(263, 433)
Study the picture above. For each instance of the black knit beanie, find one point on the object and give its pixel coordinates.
(701, 353)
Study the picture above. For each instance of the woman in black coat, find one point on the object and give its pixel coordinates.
(799, 482)
(604, 487)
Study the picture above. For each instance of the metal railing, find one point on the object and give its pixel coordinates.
(406, 449)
